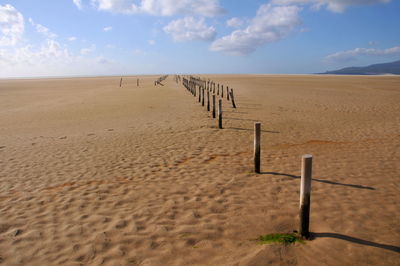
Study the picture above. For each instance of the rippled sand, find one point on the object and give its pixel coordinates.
(95, 174)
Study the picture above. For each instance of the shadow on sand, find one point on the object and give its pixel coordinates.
(355, 240)
(321, 180)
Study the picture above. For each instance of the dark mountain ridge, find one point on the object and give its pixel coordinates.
(375, 69)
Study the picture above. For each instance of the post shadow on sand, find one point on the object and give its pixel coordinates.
(321, 180)
(354, 240)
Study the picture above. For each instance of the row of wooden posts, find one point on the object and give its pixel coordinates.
(192, 83)
(205, 87)
(120, 82)
(160, 79)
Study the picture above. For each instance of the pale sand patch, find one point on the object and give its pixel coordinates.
(93, 174)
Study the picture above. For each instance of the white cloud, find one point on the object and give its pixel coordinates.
(72, 38)
(78, 3)
(106, 29)
(234, 22)
(353, 54)
(272, 23)
(161, 7)
(11, 25)
(42, 29)
(190, 29)
(332, 5)
(152, 42)
(87, 50)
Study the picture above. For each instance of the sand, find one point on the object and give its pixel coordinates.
(95, 174)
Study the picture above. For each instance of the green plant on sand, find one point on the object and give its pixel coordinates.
(280, 238)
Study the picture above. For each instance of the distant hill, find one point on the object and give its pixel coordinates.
(376, 69)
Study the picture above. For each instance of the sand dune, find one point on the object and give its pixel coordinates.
(95, 174)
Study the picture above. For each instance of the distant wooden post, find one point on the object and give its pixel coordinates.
(220, 113)
(305, 194)
(199, 94)
(257, 147)
(218, 89)
(208, 100)
(227, 93)
(213, 87)
(137, 82)
(233, 99)
(222, 91)
(120, 83)
(213, 111)
(202, 100)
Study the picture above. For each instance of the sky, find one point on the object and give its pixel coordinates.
(44, 38)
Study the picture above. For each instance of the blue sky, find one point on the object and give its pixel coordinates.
(121, 37)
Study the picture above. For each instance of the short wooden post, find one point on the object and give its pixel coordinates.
(220, 113)
(120, 82)
(257, 147)
(227, 93)
(208, 100)
(202, 100)
(305, 194)
(233, 99)
(213, 111)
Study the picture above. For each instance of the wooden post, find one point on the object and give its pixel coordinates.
(222, 91)
(202, 100)
(213, 87)
(220, 113)
(218, 89)
(213, 111)
(305, 194)
(227, 93)
(233, 99)
(199, 93)
(208, 100)
(257, 147)
(137, 82)
(120, 83)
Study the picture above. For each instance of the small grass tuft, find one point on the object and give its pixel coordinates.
(285, 239)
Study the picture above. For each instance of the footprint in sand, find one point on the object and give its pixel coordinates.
(64, 137)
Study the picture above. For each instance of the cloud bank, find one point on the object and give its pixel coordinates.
(271, 24)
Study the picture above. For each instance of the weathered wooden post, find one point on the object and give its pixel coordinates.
(233, 99)
(208, 100)
(305, 195)
(213, 88)
(120, 82)
(199, 93)
(202, 100)
(213, 111)
(222, 91)
(218, 89)
(257, 147)
(227, 93)
(220, 113)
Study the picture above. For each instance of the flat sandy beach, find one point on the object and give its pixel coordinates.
(95, 174)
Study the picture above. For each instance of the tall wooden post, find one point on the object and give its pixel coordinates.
(233, 99)
(220, 113)
(202, 100)
(208, 100)
(213, 111)
(257, 147)
(199, 94)
(227, 93)
(305, 195)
